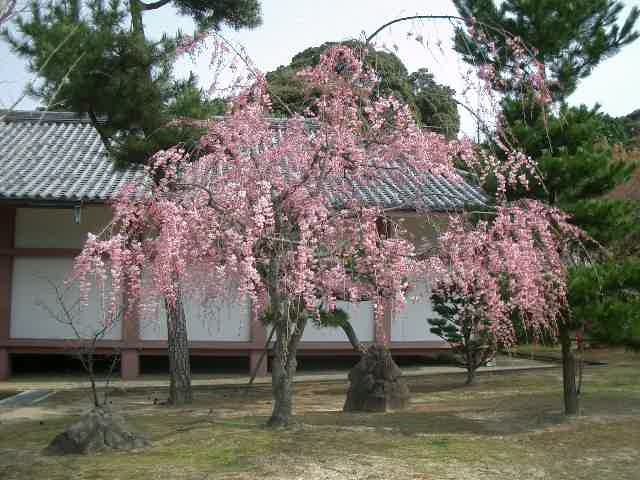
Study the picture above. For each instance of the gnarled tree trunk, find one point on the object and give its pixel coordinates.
(569, 373)
(375, 383)
(348, 330)
(179, 366)
(283, 370)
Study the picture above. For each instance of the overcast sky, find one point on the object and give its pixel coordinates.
(291, 26)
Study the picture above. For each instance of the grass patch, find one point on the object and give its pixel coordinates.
(508, 426)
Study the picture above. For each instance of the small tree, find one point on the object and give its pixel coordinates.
(493, 271)
(67, 312)
(465, 327)
(100, 428)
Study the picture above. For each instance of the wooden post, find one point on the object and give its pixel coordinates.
(130, 357)
(382, 326)
(129, 364)
(569, 372)
(7, 236)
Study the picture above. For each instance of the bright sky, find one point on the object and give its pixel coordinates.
(291, 26)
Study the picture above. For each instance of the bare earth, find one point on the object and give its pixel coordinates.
(509, 426)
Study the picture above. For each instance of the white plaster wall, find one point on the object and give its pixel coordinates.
(56, 228)
(217, 321)
(32, 292)
(361, 318)
(410, 325)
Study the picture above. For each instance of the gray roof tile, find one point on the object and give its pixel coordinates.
(56, 156)
(59, 156)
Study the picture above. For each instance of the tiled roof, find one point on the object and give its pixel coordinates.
(59, 156)
(413, 191)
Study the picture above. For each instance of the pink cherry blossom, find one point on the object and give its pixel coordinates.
(273, 214)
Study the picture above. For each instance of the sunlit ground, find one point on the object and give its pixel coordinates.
(509, 426)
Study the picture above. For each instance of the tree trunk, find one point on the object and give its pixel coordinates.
(569, 373)
(348, 330)
(135, 10)
(376, 384)
(283, 370)
(470, 356)
(179, 366)
(92, 379)
(471, 376)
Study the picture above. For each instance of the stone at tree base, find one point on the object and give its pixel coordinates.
(375, 383)
(97, 430)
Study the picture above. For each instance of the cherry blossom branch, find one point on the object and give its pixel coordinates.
(210, 202)
(412, 17)
(7, 11)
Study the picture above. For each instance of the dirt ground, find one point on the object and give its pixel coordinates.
(509, 426)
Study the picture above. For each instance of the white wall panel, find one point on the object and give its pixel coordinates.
(32, 293)
(56, 228)
(220, 321)
(410, 324)
(361, 318)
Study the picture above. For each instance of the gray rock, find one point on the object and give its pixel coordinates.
(375, 384)
(98, 430)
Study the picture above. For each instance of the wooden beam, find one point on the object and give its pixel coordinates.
(39, 252)
(7, 237)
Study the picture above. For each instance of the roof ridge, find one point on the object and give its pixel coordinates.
(42, 116)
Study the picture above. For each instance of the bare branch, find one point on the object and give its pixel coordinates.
(154, 5)
(42, 67)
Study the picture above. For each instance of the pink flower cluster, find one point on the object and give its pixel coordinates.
(525, 71)
(273, 214)
(511, 266)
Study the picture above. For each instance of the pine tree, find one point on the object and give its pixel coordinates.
(570, 37)
(88, 60)
(465, 328)
(574, 148)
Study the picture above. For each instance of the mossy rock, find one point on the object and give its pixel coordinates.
(96, 431)
(375, 383)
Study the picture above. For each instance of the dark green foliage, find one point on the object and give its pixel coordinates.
(463, 326)
(69, 44)
(573, 149)
(284, 85)
(183, 103)
(213, 13)
(571, 37)
(613, 223)
(336, 318)
(186, 99)
(433, 104)
(606, 298)
(579, 166)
